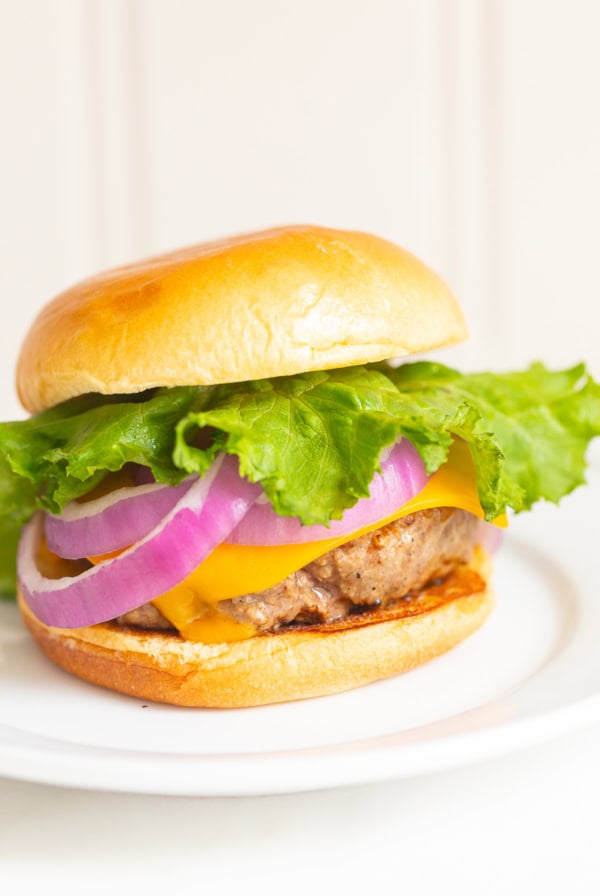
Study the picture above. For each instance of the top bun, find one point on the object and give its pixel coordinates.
(265, 304)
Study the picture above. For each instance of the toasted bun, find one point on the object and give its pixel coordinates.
(293, 665)
(259, 305)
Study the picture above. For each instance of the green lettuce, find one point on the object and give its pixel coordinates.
(312, 440)
(528, 431)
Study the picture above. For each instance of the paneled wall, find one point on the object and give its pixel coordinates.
(468, 130)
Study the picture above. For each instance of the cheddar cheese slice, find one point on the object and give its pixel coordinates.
(233, 570)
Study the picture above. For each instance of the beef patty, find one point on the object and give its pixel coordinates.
(371, 570)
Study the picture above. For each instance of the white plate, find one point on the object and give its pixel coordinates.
(531, 673)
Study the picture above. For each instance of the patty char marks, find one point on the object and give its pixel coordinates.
(367, 574)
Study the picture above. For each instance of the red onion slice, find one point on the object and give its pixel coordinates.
(112, 522)
(200, 520)
(402, 477)
(490, 536)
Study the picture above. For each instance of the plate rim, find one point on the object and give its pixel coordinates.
(316, 768)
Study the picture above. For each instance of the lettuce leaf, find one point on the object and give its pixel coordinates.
(312, 440)
(528, 431)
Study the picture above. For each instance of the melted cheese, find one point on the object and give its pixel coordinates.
(233, 570)
(196, 620)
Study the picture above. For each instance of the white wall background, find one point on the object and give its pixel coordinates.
(467, 130)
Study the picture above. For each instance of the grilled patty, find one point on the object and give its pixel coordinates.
(371, 570)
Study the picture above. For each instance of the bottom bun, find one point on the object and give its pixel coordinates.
(308, 661)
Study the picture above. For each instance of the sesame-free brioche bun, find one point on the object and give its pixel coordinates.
(273, 303)
(309, 661)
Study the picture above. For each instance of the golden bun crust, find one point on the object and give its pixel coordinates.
(273, 303)
(319, 660)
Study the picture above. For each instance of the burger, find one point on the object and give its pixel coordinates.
(227, 495)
